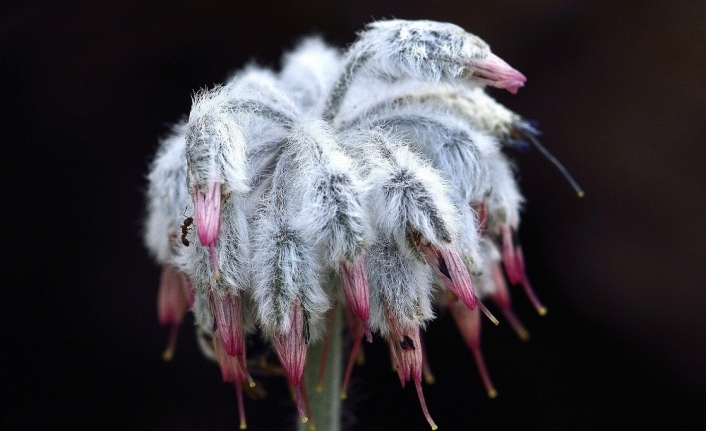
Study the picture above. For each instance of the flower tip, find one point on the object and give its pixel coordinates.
(497, 73)
(319, 388)
(434, 426)
(580, 193)
(243, 426)
(304, 419)
(429, 378)
(168, 354)
(217, 276)
(344, 395)
(492, 393)
(542, 311)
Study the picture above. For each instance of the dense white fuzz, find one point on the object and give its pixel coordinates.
(167, 197)
(215, 145)
(328, 193)
(454, 148)
(285, 268)
(370, 177)
(203, 315)
(400, 288)
(505, 200)
(309, 72)
(232, 250)
(483, 280)
(406, 198)
(424, 50)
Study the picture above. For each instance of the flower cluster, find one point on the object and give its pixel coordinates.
(372, 178)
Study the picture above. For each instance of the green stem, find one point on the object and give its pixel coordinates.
(325, 405)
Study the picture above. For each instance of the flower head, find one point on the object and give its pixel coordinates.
(371, 179)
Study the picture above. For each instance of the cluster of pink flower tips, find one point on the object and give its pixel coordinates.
(372, 178)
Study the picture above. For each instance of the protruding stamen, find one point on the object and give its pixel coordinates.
(357, 340)
(468, 323)
(241, 405)
(300, 403)
(429, 378)
(172, 303)
(171, 346)
(488, 314)
(420, 395)
(538, 145)
(501, 297)
(514, 263)
(484, 375)
(307, 407)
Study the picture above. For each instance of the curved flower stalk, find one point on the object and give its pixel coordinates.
(368, 183)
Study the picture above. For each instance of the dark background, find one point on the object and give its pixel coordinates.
(619, 92)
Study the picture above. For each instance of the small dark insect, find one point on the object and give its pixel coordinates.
(307, 334)
(185, 228)
(407, 343)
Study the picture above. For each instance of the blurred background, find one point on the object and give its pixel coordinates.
(618, 90)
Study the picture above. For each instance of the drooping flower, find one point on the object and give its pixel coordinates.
(372, 179)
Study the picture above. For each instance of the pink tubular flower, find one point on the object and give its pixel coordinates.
(233, 370)
(291, 348)
(501, 297)
(447, 264)
(494, 71)
(468, 323)
(208, 220)
(514, 263)
(176, 296)
(406, 351)
(228, 311)
(354, 281)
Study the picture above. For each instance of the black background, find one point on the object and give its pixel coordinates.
(619, 92)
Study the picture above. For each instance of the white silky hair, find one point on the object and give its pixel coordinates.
(424, 50)
(203, 315)
(167, 196)
(483, 282)
(285, 268)
(363, 153)
(232, 251)
(404, 191)
(329, 194)
(309, 72)
(400, 285)
(505, 199)
(215, 145)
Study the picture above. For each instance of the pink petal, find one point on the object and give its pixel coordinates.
(228, 311)
(468, 323)
(494, 71)
(208, 213)
(447, 264)
(514, 263)
(354, 281)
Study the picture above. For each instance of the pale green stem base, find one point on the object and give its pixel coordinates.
(325, 405)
